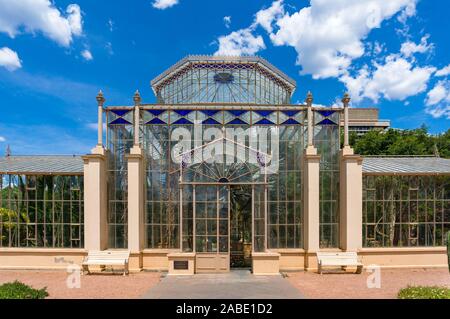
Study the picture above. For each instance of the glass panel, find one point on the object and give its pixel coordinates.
(211, 218)
(41, 211)
(326, 140)
(223, 82)
(409, 211)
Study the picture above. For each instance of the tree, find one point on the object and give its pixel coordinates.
(402, 142)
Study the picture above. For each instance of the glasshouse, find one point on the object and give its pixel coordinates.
(223, 172)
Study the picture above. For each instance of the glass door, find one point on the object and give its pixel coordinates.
(211, 227)
(241, 226)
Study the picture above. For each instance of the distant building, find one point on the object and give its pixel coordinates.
(362, 120)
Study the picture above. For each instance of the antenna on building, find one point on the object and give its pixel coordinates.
(8, 151)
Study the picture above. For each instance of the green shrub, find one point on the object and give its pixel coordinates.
(18, 290)
(423, 292)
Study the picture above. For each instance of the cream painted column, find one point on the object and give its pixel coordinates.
(136, 196)
(95, 191)
(350, 192)
(311, 166)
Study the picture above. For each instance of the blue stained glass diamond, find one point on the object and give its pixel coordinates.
(120, 121)
(183, 112)
(210, 121)
(156, 112)
(264, 112)
(326, 122)
(326, 113)
(290, 122)
(120, 112)
(156, 121)
(264, 122)
(209, 112)
(237, 121)
(182, 121)
(290, 113)
(237, 112)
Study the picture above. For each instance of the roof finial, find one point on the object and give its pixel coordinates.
(100, 98)
(137, 98)
(346, 99)
(309, 99)
(8, 151)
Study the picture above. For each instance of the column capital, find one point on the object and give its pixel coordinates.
(309, 99)
(100, 98)
(135, 152)
(346, 99)
(137, 98)
(349, 156)
(311, 152)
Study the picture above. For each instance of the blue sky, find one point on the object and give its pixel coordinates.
(56, 55)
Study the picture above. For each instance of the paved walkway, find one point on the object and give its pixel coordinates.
(237, 284)
(352, 286)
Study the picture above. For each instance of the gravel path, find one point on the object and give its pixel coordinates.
(346, 285)
(92, 286)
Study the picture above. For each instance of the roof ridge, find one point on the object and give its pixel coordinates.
(236, 58)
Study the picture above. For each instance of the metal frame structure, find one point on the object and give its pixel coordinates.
(41, 210)
(197, 79)
(221, 115)
(231, 180)
(404, 210)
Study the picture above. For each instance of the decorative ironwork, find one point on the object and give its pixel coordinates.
(212, 80)
(120, 116)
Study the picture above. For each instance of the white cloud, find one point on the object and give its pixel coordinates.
(227, 21)
(438, 100)
(396, 79)
(109, 49)
(444, 71)
(328, 35)
(409, 48)
(409, 11)
(40, 16)
(111, 25)
(87, 55)
(241, 42)
(164, 4)
(74, 18)
(442, 110)
(266, 17)
(9, 59)
(2, 139)
(437, 94)
(378, 48)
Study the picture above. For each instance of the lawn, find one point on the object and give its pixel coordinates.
(424, 292)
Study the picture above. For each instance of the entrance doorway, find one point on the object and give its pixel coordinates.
(223, 204)
(240, 226)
